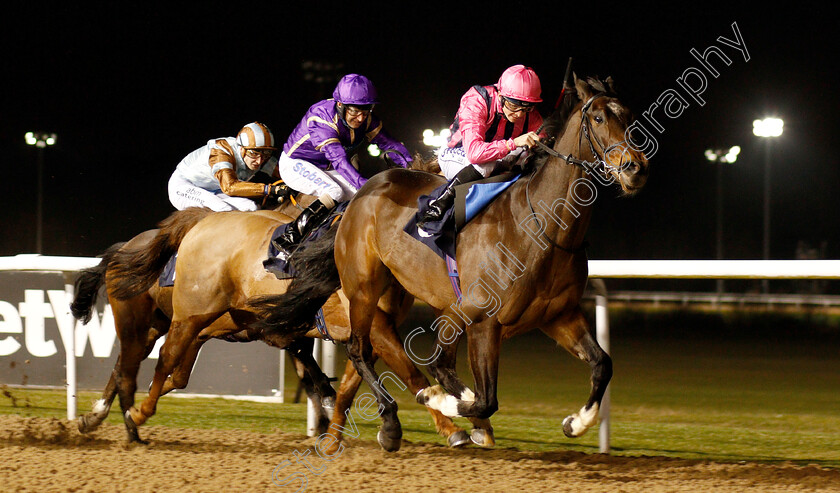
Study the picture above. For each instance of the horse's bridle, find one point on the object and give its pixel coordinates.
(599, 166)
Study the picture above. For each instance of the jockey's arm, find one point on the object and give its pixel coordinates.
(325, 138)
(472, 115)
(338, 158)
(385, 142)
(234, 187)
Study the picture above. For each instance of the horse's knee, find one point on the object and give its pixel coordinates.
(481, 408)
(488, 409)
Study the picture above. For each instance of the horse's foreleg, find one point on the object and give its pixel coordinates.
(388, 345)
(178, 340)
(572, 333)
(136, 342)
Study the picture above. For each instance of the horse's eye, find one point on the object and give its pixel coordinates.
(599, 119)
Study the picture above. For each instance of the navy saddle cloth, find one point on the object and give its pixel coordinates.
(470, 199)
(283, 269)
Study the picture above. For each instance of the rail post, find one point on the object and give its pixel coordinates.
(602, 335)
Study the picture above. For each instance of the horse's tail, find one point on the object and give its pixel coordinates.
(87, 285)
(317, 279)
(134, 271)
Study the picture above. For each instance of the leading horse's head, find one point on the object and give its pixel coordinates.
(604, 135)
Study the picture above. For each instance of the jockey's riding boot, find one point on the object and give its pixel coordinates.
(438, 206)
(308, 220)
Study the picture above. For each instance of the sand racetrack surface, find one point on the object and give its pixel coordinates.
(50, 455)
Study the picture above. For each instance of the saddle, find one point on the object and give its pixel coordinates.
(470, 199)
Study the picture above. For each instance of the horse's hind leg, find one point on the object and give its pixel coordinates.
(363, 312)
(350, 383)
(180, 377)
(572, 332)
(316, 383)
(91, 421)
(388, 345)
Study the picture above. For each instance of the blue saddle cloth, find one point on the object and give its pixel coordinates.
(470, 199)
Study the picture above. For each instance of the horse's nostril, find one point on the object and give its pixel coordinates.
(632, 167)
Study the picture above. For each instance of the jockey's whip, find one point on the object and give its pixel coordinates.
(565, 83)
(562, 90)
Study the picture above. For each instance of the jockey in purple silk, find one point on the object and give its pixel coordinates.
(316, 157)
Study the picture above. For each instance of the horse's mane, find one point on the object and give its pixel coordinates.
(428, 165)
(555, 124)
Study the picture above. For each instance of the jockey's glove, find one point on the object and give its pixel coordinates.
(280, 192)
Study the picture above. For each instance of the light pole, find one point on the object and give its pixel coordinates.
(721, 157)
(768, 128)
(40, 140)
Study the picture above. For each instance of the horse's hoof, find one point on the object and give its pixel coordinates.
(458, 439)
(332, 449)
(567, 427)
(387, 443)
(483, 438)
(136, 417)
(86, 425)
(131, 429)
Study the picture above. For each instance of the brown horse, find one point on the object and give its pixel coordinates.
(222, 254)
(140, 320)
(522, 261)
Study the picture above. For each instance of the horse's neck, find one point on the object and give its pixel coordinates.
(563, 192)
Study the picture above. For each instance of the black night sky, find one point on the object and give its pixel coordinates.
(130, 90)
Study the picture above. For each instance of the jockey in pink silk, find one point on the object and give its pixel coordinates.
(492, 121)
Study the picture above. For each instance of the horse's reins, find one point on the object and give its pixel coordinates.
(599, 166)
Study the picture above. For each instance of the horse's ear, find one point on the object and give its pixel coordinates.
(611, 84)
(583, 90)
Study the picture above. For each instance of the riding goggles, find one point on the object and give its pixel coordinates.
(515, 106)
(255, 153)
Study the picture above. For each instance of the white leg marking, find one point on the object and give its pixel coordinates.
(584, 420)
(101, 407)
(467, 395)
(438, 399)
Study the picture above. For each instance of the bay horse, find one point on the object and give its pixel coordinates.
(522, 263)
(219, 267)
